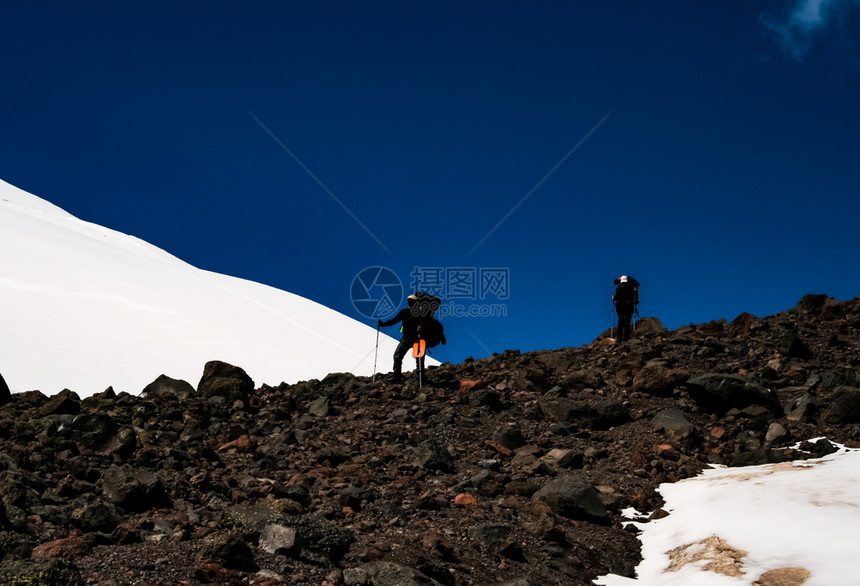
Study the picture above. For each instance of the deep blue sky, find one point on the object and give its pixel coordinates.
(725, 177)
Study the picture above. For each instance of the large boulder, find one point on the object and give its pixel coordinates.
(166, 387)
(649, 326)
(573, 497)
(721, 392)
(100, 433)
(812, 304)
(226, 381)
(65, 402)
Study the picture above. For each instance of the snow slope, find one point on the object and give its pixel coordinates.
(84, 307)
(776, 524)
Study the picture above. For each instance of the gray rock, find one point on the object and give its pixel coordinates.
(319, 407)
(802, 408)
(278, 539)
(386, 574)
(573, 497)
(431, 456)
(248, 520)
(492, 538)
(774, 432)
(673, 423)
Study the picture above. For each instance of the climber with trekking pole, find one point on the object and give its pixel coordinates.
(419, 323)
(626, 300)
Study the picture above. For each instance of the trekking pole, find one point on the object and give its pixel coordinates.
(418, 368)
(375, 353)
(418, 349)
(612, 318)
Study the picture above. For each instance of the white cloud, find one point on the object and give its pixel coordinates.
(808, 22)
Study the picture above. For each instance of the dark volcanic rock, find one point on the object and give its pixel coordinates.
(844, 405)
(134, 489)
(320, 540)
(812, 304)
(656, 378)
(432, 456)
(673, 423)
(386, 574)
(721, 392)
(226, 381)
(164, 386)
(649, 326)
(40, 572)
(228, 550)
(510, 469)
(63, 403)
(573, 497)
(495, 539)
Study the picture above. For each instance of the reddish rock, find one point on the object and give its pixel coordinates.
(240, 445)
(216, 574)
(667, 451)
(657, 378)
(499, 448)
(472, 385)
(69, 547)
(466, 501)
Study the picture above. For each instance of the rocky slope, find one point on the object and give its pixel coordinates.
(506, 470)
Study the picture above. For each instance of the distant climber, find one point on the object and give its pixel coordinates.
(626, 299)
(418, 321)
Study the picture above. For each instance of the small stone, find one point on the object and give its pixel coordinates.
(466, 501)
(277, 539)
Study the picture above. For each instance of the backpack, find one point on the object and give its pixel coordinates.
(432, 331)
(626, 294)
(424, 308)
